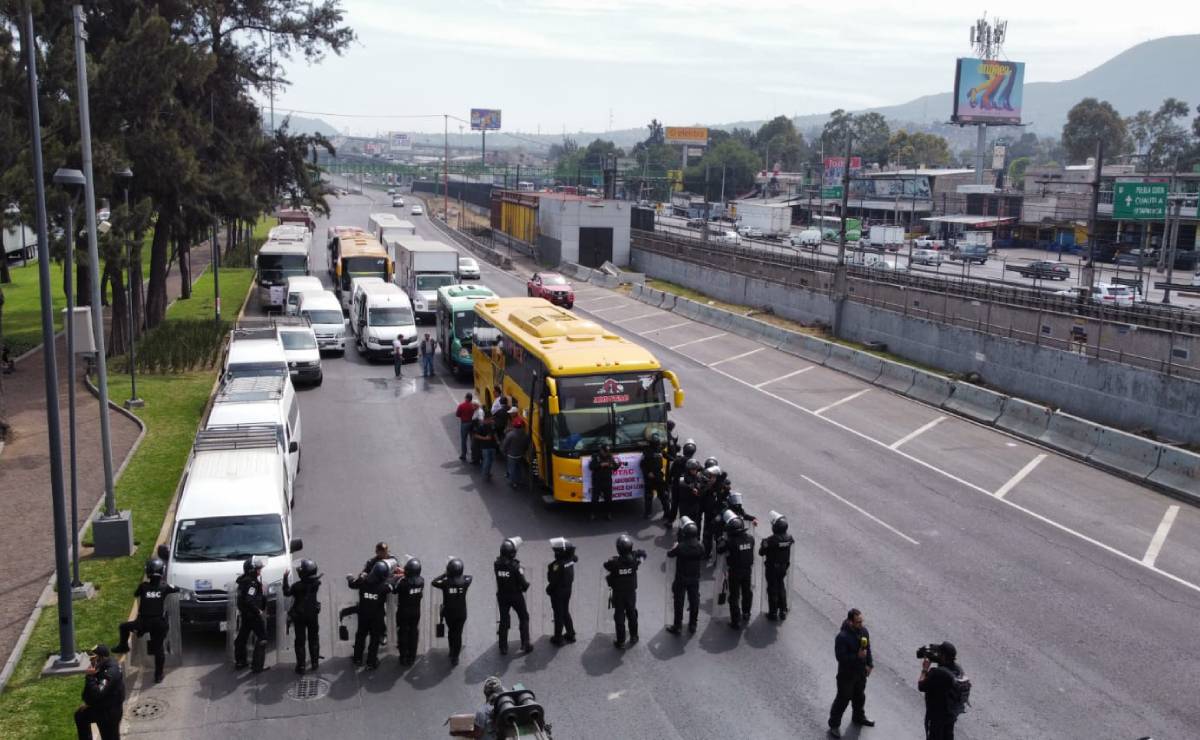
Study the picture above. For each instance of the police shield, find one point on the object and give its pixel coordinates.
(668, 591)
(285, 651)
(604, 607)
(438, 631)
(139, 650)
(344, 622)
(230, 625)
(717, 595)
(536, 602)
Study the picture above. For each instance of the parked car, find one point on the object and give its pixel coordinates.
(926, 256)
(397, 201)
(551, 286)
(1042, 269)
(1107, 294)
(468, 268)
(1137, 258)
(391, 191)
(970, 253)
(417, 210)
(751, 232)
(728, 236)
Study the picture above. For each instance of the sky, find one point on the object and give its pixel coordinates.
(598, 65)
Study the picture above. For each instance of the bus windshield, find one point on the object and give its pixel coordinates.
(623, 410)
(353, 267)
(464, 324)
(278, 268)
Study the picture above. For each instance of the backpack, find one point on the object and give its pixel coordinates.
(960, 693)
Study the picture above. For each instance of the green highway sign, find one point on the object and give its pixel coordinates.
(834, 191)
(1140, 201)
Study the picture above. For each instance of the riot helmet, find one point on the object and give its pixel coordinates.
(689, 447)
(155, 567)
(692, 465)
(710, 462)
(508, 548)
(656, 439)
(379, 571)
(307, 568)
(779, 523)
(251, 565)
(734, 499)
(624, 545)
(454, 567)
(689, 531)
(412, 568)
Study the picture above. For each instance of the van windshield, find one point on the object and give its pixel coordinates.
(389, 316)
(297, 340)
(256, 369)
(229, 537)
(324, 316)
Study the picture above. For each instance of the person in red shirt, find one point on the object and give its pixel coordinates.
(464, 412)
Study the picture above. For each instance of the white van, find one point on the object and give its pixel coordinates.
(235, 504)
(300, 347)
(296, 285)
(254, 353)
(806, 238)
(324, 313)
(264, 400)
(377, 314)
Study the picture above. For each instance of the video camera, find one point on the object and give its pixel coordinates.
(932, 652)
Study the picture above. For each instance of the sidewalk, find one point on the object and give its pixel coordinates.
(26, 530)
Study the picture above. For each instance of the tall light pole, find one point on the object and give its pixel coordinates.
(112, 532)
(125, 175)
(67, 658)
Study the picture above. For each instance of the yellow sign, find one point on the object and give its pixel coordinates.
(687, 135)
(675, 178)
(732, 210)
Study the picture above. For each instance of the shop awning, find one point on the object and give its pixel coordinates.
(978, 222)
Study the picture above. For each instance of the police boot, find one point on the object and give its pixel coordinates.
(773, 616)
(674, 629)
(313, 663)
(300, 669)
(259, 659)
(121, 648)
(503, 643)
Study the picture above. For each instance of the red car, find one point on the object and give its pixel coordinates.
(553, 287)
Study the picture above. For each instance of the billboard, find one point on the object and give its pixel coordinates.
(399, 142)
(687, 135)
(988, 91)
(834, 167)
(485, 119)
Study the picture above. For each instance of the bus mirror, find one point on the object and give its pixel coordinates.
(678, 397)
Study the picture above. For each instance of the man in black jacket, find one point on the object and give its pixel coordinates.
(622, 579)
(653, 476)
(852, 647)
(603, 464)
(373, 589)
(689, 557)
(675, 474)
(103, 697)
(511, 586)
(252, 610)
(939, 684)
(152, 614)
(560, 576)
(409, 589)
(453, 584)
(738, 547)
(776, 552)
(305, 612)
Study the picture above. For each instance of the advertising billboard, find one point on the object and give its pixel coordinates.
(834, 167)
(694, 135)
(485, 119)
(988, 91)
(399, 142)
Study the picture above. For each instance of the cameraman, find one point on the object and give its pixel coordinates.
(938, 685)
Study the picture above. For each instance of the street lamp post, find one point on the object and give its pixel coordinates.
(125, 175)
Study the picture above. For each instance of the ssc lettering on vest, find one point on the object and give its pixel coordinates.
(370, 596)
(250, 591)
(747, 546)
(414, 591)
(154, 594)
(503, 574)
(624, 571)
(454, 591)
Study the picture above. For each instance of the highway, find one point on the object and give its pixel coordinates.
(1072, 595)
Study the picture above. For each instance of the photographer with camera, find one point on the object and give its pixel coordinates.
(946, 688)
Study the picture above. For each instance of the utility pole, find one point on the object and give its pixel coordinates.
(1090, 266)
(446, 167)
(67, 658)
(1174, 240)
(841, 259)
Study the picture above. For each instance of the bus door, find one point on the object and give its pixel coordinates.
(540, 459)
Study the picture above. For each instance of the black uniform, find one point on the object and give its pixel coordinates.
(654, 477)
(672, 445)
(685, 499)
(689, 557)
(372, 621)
(252, 609)
(409, 590)
(305, 615)
(602, 466)
(560, 577)
(675, 473)
(151, 620)
(454, 608)
(711, 507)
(738, 548)
(511, 586)
(622, 579)
(104, 700)
(776, 551)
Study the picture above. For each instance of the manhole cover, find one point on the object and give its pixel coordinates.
(309, 688)
(148, 709)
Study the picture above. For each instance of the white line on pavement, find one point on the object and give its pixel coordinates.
(1012, 482)
(839, 402)
(662, 328)
(862, 511)
(697, 341)
(736, 357)
(605, 298)
(1160, 536)
(784, 377)
(916, 433)
(447, 387)
(606, 308)
(635, 318)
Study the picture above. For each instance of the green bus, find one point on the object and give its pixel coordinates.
(456, 325)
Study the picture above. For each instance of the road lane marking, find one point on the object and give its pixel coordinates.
(607, 308)
(635, 318)
(1160, 536)
(783, 377)
(662, 328)
(1012, 482)
(448, 391)
(916, 433)
(862, 511)
(697, 341)
(839, 402)
(604, 298)
(737, 357)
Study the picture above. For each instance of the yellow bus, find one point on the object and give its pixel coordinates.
(577, 384)
(353, 253)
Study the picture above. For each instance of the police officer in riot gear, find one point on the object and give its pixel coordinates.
(622, 579)
(252, 608)
(603, 464)
(675, 475)
(103, 696)
(710, 505)
(689, 556)
(672, 441)
(372, 590)
(152, 615)
(738, 547)
(776, 551)
(453, 584)
(304, 612)
(511, 586)
(686, 499)
(654, 477)
(409, 589)
(560, 576)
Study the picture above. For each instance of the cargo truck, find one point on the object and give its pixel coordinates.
(421, 268)
(772, 219)
(885, 237)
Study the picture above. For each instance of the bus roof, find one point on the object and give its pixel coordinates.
(274, 246)
(464, 296)
(361, 246)
(565, 343)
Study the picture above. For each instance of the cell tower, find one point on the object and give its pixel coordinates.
(987, 37)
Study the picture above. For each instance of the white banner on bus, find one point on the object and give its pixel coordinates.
(627, 479)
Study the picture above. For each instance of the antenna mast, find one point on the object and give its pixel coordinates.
(987, 37)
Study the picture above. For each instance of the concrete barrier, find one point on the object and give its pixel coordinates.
(1071, 434)
(1128, 454)
(975, 403)
(932, 389)
(687, 308)
(805, 347)
(1024, 419)
(1178, 471)
(896, 377)
(668, 301)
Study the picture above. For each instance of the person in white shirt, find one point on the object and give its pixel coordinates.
(398, 355)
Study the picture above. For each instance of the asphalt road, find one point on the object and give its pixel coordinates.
(1041, 572)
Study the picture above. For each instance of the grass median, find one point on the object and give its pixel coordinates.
(35, 707)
